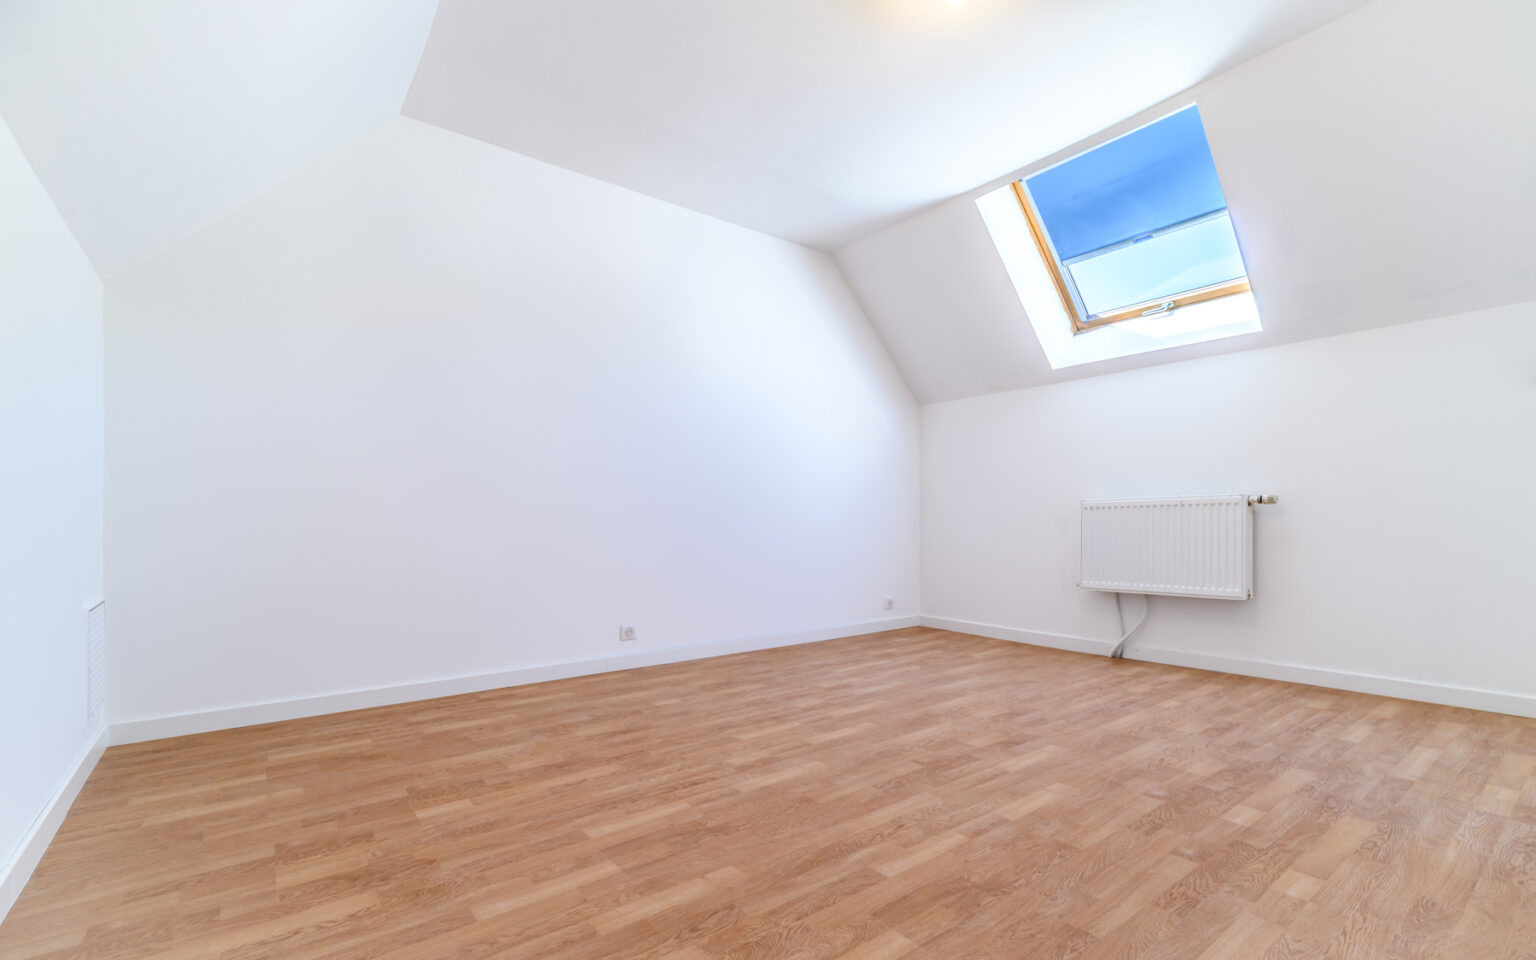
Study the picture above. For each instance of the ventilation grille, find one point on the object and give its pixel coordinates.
(96, 664)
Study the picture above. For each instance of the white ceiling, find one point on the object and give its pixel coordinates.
(147, 119)
(1379, 170)
(821, 120)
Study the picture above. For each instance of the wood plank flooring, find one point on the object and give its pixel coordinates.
(914, 794)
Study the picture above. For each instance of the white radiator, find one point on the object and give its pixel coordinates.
(1184, 547)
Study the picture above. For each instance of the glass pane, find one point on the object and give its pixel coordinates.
(1145, 181)
(1166, 265)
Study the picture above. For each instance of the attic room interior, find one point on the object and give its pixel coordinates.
(682, 480)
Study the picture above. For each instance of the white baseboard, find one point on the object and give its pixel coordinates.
(179, 725)
(1058, 641)
(17, 870)
(1473, 698)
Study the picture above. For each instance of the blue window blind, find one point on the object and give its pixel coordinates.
(1138, 184)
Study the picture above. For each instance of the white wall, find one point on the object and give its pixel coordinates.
(50, 500)
(1404, 459)
(434, 409)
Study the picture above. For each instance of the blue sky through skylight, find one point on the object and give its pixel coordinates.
(1164, 266)
(1141, 217)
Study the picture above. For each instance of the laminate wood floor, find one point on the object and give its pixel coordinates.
(913, 794)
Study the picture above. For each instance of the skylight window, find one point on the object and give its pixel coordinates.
(1135, 227)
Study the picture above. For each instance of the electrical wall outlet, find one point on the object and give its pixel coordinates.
(626, 634)
(890, 603)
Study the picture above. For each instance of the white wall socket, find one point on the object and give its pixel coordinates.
(626, 633)
(890, 603)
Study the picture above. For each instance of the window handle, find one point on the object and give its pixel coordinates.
(1160, 308)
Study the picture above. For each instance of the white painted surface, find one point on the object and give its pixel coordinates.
(820, 121)
(50, 505)
(1378, 171)
(1399, 549)
(434, 409)
(178, 725)
(148, 119)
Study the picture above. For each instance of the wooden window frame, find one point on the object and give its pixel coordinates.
(1147, 308)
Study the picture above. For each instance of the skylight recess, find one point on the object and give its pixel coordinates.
(1137, 226)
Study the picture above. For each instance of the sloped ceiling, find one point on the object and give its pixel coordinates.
(146, 119)
(821, 120)
(1379, 170)
(1379, 167)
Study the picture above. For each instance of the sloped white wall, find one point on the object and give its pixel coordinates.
(1401, 547)
(147, 120)
(435, 409)
(1378, 171)
(50, 501)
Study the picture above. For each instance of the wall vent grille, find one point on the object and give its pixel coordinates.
(96, 664)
